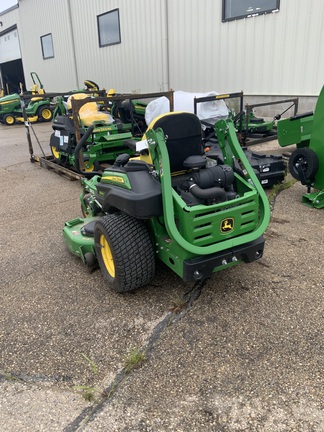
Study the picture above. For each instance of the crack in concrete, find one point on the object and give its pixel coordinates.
(88, 414)
(23, 378)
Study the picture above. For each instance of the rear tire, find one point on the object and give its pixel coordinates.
(124, 251)
(308, 160)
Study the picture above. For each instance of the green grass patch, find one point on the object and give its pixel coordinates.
(134, 359)
(276, 189)
(87, 392)
(93, 366)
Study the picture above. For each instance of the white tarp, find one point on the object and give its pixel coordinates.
(184, 101)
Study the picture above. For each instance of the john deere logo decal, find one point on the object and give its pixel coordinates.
(227, 225)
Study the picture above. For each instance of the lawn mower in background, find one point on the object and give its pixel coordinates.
(37, 109)
(252, 124)
(91, 85)
(270, 169)
(61, 101)
(306, 163)
(252, 129)
(87, 137)
(130, 112)
(196, 215)
(101, 137)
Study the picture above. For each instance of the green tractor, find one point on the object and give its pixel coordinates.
(37, 109)
(171, 202)
(306, 163)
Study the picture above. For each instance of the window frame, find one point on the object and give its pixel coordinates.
(247, 15)
(42, 45)
(101, 44)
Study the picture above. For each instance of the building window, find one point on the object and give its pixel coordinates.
(109, 28)
(47, 46)
(237, 9)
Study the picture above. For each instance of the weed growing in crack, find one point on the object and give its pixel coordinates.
(277, 188)
(178, 303)
(134, 360)
(87, 392)
(10, 377)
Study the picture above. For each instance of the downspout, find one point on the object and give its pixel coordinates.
(73, 44)
(165, 46)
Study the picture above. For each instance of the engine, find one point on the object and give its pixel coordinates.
(210, 185)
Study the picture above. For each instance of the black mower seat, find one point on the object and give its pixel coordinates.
(183, 135)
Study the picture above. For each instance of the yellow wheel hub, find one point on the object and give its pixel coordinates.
(10, 120)
(55, 153)
(89, 168)
(46, 114)
(107, 256)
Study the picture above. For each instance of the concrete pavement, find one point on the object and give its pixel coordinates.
(242, 352)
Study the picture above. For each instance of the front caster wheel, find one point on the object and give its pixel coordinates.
(45, 114)
(9, 119)
(303, 164)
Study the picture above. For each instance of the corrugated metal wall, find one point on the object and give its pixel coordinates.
(38, 18)
(9, 19)
(134, 65)
(275, 54)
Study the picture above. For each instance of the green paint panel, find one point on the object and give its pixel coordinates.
(295, 131)
(317, 140)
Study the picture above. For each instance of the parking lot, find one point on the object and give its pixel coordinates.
(241, 352)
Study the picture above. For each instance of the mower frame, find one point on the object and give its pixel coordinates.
(193, 240)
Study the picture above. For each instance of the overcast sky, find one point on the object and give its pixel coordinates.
(6, 4)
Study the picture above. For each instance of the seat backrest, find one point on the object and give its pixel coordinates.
(89, 112)
(125, 110)
(183, 135)
(89, 106)
(76, 96)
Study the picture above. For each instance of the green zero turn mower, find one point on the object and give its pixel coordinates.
(252, 124)
(104, 124)
(101, 137)
(306, 163)
(195, 214)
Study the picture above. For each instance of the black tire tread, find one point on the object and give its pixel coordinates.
(310, 157)
(132, 251)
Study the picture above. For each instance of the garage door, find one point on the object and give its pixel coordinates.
(9, 46)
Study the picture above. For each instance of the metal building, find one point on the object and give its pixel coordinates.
(272, 48)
